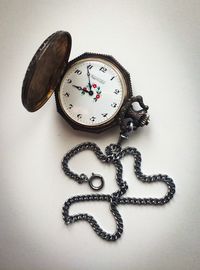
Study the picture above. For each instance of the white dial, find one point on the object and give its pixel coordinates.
(92, 91)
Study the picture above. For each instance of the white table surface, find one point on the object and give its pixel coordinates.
(158, 42)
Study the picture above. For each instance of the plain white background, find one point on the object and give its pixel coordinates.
(158, 42)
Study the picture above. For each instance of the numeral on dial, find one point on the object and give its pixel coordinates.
(103, 69)
(114, 104)
(79, 116)
(93, 118)
(112, 78)
(78, 71)
(116, 91)
(90, 66)
(66, 94)
(104, 114)
(69, 80)
(70, 106)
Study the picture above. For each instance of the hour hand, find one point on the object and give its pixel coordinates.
(84, 90)
(78, 87)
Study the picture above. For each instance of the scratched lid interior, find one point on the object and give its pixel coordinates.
(45, 70)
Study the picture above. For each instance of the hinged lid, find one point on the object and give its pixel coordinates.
(45, 70)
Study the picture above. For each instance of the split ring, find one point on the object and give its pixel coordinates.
(96, 177)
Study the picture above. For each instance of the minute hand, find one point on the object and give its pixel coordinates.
(88, 74)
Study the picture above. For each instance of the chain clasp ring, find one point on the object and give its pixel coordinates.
(93, 178)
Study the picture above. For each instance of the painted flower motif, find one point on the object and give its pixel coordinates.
(98, 92)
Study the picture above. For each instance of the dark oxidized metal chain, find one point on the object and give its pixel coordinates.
(129, 121)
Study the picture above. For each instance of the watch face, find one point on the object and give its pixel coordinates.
(92, 92)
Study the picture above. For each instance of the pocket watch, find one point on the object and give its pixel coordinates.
(93, 93)
(90, 90)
